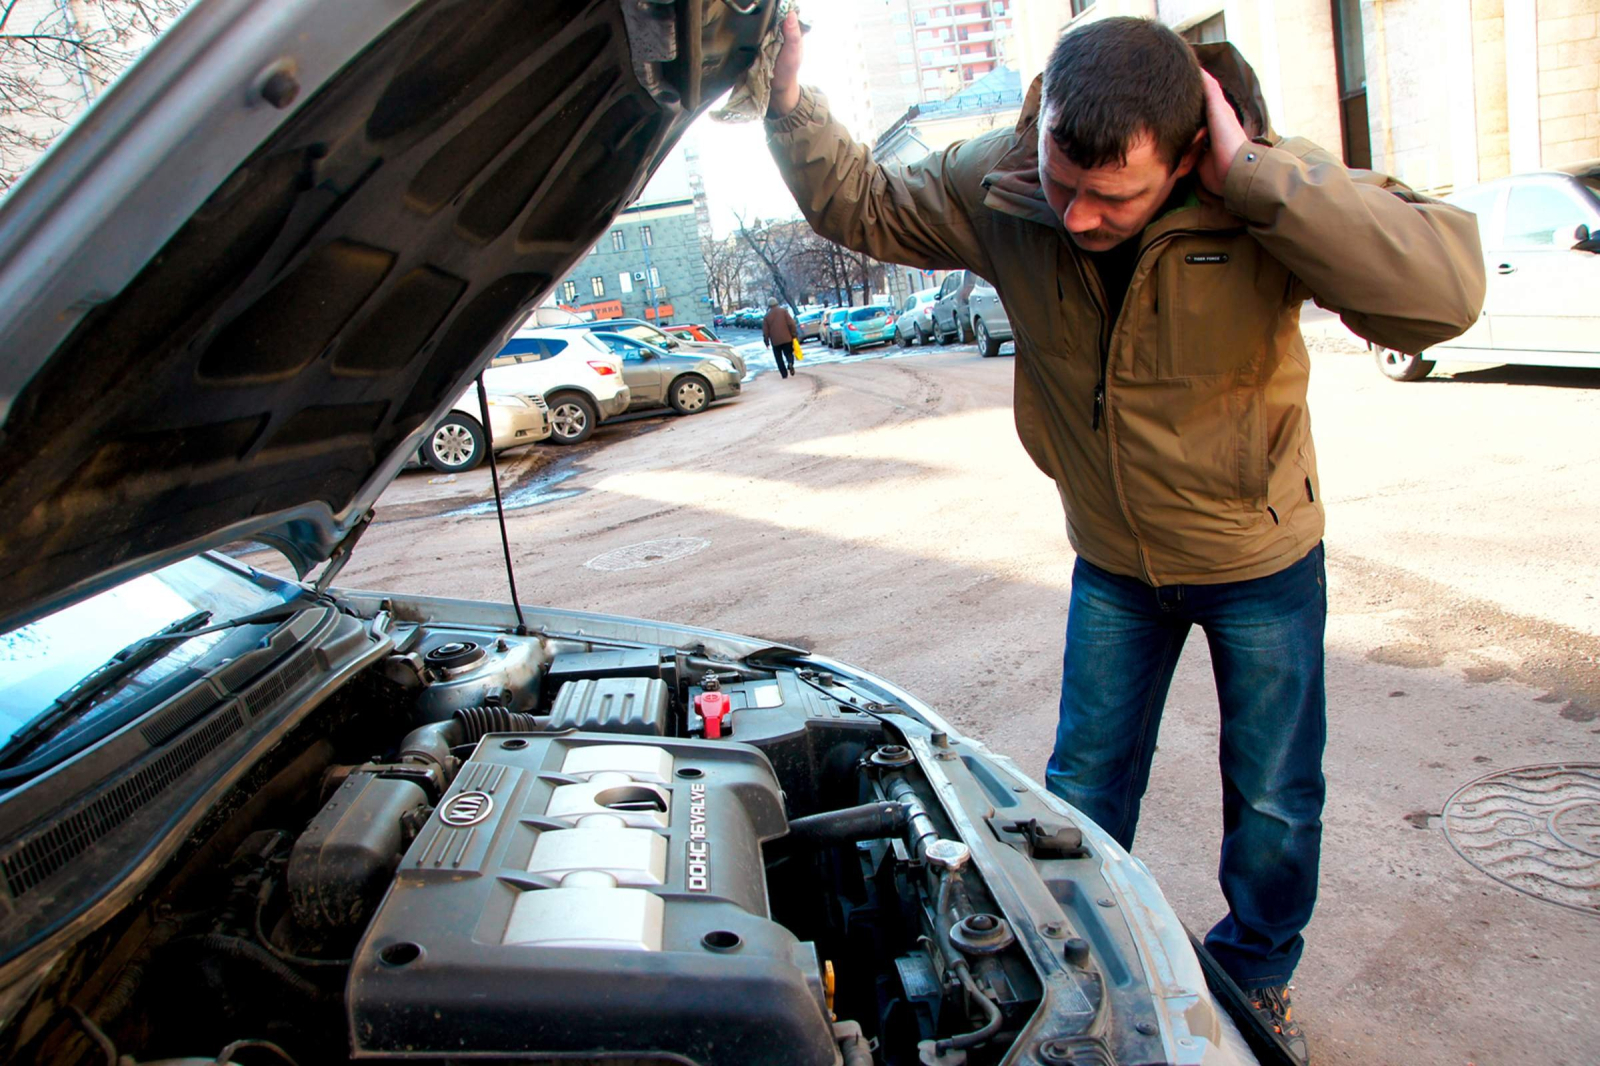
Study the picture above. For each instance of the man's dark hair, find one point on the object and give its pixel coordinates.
(1114, 80)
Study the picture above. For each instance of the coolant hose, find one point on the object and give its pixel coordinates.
(870, 821)
(990, 1027)
(921, 829)
(263, 961)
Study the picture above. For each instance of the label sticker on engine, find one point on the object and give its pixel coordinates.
(699, 868)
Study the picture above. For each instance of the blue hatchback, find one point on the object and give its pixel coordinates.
(872, 324)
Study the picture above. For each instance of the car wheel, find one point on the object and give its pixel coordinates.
(572, 417)
(986, 344)
(1397, 366)
(903, 338)
(690, 394)
(456, 445)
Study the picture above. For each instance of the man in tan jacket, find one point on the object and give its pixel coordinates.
(1153, 241)
(778, 331)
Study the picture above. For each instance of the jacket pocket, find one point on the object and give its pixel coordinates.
(1217, 306)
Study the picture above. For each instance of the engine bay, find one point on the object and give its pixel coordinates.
(556, 848)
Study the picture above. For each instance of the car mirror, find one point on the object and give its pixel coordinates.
(1585, 242)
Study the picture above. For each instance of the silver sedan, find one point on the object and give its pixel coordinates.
(688, 383)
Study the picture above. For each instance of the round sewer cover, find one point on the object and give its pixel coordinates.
(650, 553)
(1535, 829)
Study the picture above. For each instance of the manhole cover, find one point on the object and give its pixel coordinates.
(1535, 829)
(650, 553)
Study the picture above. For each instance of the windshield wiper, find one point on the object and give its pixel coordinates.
(124, 663)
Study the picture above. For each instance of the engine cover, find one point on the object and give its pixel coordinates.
(592, 893)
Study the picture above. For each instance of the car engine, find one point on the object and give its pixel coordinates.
(548, 847)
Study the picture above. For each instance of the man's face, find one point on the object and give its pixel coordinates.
(1103, 206)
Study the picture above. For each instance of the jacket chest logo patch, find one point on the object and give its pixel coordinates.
(1206, 258)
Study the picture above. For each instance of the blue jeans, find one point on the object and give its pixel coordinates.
(1266, 637)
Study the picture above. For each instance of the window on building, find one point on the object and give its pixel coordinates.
(1350, 65)
(655, 278)
(644, 237)
(1080, 6)
(617, 242)
(908, 57)
(902, 37)
(1207, 31)
(624, 282)
(1538, 216)
(598, 285)
(569, 291)
(908, 77)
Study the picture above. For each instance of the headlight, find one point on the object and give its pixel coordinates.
(504, 400)
(721, 363)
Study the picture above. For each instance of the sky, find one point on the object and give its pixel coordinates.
(740, 177)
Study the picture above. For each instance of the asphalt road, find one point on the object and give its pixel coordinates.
(880, 510)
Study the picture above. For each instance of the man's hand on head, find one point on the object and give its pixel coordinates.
(1225, 136)
(786, 72)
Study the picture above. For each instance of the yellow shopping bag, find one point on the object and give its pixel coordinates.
(798, 354)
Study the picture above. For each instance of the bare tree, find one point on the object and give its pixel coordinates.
(774, 245)
(56, 57)
(727, 262)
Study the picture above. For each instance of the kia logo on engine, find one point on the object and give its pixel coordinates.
(466, 808)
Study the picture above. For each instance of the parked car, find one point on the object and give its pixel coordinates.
(810, 323)
(688, 383)
(578, 377)
(866, 326)
(968, 309)
(641, 330)
(692, 332)
(914, 325)
(457, 443)
(1541, 247)
(833, 327)
(290, 821)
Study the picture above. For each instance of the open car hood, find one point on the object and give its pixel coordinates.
(239, 291)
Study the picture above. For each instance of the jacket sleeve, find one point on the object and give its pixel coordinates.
(912, 214)
(794, 327)
(766, 332)
(1399, 269)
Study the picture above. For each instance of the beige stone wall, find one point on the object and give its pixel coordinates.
(1569, 80)
(1489, 83)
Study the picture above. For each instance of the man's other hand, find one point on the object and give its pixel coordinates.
(786, 73)
(1225, 135)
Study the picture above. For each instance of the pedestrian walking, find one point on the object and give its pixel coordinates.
(779, 331)
(1153, 241)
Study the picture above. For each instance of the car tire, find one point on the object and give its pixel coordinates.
(903, 338)
(1397, 366)
(987, 345)
(573, 417)
(456, 445)
(689, 394)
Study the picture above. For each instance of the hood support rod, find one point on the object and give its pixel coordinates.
(499, 505)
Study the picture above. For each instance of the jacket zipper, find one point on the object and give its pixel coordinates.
(1108, 326)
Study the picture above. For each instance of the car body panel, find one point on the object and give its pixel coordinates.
(545, 362)
(868, 325)
(914, 322)
(650, 371)
(833, 326)
(391, 158)
(1540, 306)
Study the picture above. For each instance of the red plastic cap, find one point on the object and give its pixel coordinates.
(713, 707)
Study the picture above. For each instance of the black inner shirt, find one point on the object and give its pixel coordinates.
(1115, 268)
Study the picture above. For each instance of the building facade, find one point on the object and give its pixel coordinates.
(1440, 93)
(919, 51)
(647, 265)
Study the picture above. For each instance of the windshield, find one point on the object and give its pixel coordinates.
(1590, 183)
(862, 314)
(42, 660)
(650, 335)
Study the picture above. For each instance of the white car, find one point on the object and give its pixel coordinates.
(1541, 250)
(457, 442)
(577, 376)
